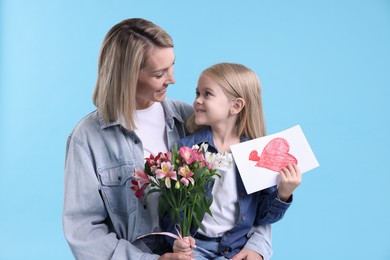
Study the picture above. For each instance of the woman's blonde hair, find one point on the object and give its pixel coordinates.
(238, 81)
(123, 54)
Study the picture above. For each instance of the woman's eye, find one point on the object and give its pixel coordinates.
(207, 94)
(159, 74)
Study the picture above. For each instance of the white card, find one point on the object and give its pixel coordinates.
(260, 160)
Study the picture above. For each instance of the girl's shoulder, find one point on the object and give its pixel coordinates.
(203, 135)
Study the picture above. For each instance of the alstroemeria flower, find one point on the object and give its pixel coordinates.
(141, 177)
(202, 160)
(162, 157)
(139, 190)
(187, 175)
(188, 154)
(166, 172)
(151, 160)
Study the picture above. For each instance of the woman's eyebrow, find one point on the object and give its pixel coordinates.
(162, 69)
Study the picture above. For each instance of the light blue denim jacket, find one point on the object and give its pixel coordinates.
(102, 218)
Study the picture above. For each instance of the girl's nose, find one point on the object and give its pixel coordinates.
(198, 100)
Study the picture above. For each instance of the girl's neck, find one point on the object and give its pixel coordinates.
(224, 137)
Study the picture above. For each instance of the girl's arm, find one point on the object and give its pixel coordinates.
(274, 202)
(259, 245)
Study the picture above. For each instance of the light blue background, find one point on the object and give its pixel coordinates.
(323, 64)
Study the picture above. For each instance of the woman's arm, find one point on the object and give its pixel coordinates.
(84, 213)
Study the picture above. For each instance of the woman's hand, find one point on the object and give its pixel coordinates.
(290, 178)
(175, 256)
(246, 253)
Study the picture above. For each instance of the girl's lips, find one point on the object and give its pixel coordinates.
(198, 110)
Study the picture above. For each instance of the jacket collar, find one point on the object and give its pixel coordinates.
(204, 135)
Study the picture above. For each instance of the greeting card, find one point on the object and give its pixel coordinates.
(260, 160)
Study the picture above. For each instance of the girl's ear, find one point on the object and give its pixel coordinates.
(238, 105)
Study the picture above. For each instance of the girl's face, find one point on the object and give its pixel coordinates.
(211, 105)
(155, 77)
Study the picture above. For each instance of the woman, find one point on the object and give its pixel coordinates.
(102, 217)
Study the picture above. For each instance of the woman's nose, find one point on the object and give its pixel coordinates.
(170, 78)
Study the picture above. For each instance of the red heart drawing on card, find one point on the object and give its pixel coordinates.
(275, 155)
(254, 156)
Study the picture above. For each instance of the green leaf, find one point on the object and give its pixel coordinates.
(147, 169)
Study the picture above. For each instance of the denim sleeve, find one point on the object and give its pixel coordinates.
(271, 209)
(260, 240)
(84, 212)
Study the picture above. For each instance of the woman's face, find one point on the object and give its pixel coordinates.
(155, 77)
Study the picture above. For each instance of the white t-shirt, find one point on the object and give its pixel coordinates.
(150, 129)
(224, 206)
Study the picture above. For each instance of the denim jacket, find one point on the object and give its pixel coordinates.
(102, 218)
(256, 209)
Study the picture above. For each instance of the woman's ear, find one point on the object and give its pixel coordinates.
(237, 106)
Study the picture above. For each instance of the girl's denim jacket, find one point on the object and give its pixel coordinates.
(257, 209)
(102, 218)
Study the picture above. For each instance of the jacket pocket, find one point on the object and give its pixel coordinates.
(115, 187)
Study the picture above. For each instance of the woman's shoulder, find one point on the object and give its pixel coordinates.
(87, 125)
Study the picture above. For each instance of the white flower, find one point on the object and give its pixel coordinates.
(221, 161)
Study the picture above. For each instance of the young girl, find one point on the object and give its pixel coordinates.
(228, 110)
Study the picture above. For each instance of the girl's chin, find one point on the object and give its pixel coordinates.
(199, 122)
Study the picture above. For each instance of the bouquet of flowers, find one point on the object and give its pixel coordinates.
(180, 176)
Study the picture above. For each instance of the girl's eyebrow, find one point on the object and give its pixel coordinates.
(206, 89)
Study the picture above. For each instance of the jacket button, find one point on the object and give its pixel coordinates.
(242, 218)
(136, 141)
(226, 251)
(242, 194)
(228, 234)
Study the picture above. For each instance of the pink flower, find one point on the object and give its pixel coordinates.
(188, 154)
(187, 175)
(202, 160)
(166, 172)
(141, 177)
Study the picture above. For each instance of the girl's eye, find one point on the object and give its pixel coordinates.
(159, 76)
(207, 94)
(197, 94)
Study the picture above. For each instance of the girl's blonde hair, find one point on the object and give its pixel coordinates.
(123, 54)
(238, 81)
